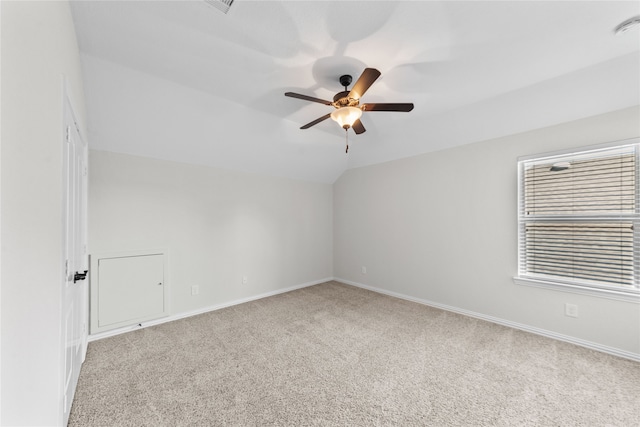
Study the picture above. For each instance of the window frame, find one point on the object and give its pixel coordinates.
(598, 289)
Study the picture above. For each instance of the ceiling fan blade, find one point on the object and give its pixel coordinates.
(316, 121)
(307, 98)
(387, 107)
(358, 127)
(366, 79)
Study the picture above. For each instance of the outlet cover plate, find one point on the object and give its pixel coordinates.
(571, 310)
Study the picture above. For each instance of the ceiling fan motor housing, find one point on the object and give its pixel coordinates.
(341, 99)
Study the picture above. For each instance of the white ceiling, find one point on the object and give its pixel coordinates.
(180, 80)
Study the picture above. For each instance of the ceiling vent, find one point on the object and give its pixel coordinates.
(222, 5)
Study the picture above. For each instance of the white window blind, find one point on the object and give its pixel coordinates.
(578, 216)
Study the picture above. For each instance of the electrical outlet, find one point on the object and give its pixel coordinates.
(195, 290)
(244, 280)
(571, 310)
(364, 270)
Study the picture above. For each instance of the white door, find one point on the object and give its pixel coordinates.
(75, 288)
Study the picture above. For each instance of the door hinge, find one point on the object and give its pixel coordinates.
(68, 136)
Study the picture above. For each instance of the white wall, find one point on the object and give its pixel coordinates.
(38, 48)
(442, 227)
(218, 226)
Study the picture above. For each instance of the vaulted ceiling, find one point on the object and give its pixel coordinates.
(180, 80)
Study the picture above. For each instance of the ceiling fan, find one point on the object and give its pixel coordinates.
(348, 109)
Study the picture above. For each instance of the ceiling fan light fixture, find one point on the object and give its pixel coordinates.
(346, 116)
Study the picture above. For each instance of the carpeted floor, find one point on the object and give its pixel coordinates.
(336, 355)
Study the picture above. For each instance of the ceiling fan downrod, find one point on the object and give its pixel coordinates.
(345, 80)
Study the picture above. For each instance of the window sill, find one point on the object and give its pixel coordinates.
(629, 295)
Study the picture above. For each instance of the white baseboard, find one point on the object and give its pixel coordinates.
(171, 318)
(577, 341)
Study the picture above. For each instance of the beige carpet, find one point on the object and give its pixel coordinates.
(335, 355)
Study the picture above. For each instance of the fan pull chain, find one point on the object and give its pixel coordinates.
(346, 138)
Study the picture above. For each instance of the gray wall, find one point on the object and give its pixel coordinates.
(217, 225)
(442, 227)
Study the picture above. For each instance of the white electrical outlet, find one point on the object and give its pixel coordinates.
(195, 290)
(571, 310)
(244, 280)
(364, 270)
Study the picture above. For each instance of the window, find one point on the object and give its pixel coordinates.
(579, 218)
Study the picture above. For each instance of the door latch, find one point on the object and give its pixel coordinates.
(80, 276)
